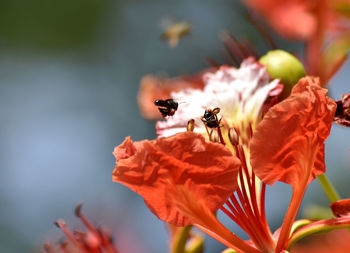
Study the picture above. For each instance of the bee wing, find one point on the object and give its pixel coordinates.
(216, 110)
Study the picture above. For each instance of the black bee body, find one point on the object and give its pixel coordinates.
(166, 107)
(210, 118)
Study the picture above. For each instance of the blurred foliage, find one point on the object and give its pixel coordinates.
(317, 212)
(48, 24)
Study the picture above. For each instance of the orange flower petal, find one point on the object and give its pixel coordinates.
(151, 167)
(341, 208)
(288, 145)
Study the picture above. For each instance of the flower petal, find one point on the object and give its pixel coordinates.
(151, 167)
(288, 145)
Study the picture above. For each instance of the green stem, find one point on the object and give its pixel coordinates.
(196, 245)
(328, 188)
(181, 239)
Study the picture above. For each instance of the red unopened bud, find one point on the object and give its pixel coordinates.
(341, 208)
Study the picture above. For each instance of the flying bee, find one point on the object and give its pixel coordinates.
(210, 118)
(175, 31)
(166, 107)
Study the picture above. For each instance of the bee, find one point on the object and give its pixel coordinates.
(175, 31)
(166, 107)
(210, 118)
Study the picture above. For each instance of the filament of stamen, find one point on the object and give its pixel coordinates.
(254, 219)
(253, 196)
(233, 217)
(47, 248)
(247, 224)
(220, 136)
(63, 247)
(70, 235)
(104, 242)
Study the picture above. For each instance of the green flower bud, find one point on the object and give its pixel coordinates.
(283, 65)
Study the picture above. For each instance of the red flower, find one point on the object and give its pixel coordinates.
(185, 179)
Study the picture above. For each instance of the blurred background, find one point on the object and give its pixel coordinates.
(69, 75)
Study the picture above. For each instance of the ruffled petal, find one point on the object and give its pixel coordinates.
(151, 167)
(288, 145)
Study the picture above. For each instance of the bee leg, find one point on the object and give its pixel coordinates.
(163, 111)
(206, 128)
(219, 122)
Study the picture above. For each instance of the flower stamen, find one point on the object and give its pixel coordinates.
(93, 240)
(63, 226)
(190, 125)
